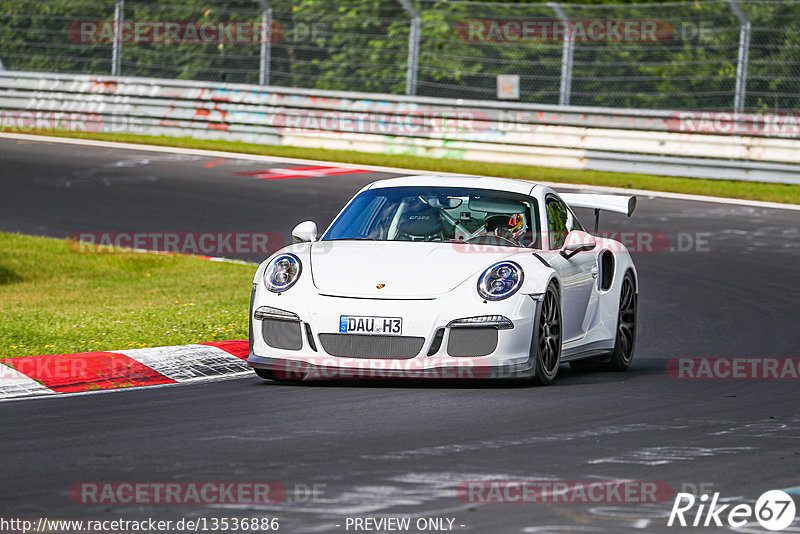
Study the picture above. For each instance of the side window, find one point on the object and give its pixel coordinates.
(576, 224)
(557, 216)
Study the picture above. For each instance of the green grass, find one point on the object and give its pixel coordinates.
(721, 188)
(56, 301)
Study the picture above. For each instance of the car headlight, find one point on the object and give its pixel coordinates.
(500, 281)
(282, 273)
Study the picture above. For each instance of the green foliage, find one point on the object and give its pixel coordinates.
(362, 45)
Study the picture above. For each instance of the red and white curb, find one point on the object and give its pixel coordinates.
(93, 371)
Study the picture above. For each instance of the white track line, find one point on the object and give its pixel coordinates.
(181, 363)
(54, 395)
(279, 159)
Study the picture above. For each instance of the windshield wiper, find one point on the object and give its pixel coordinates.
(362, 238)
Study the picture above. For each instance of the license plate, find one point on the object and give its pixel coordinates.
(355, 324)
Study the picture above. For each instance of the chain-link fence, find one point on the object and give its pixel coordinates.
(706, 54)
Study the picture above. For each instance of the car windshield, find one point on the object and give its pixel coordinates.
(439, 214)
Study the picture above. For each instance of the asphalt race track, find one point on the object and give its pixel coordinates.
(728, 284)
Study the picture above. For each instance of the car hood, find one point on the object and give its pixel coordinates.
(407, 270)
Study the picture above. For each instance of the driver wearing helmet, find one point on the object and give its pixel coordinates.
(509, 228)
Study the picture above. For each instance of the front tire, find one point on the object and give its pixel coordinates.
(547, 356)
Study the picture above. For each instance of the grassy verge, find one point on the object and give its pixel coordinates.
(721, 188)
(57, 301)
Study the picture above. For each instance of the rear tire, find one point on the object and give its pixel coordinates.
(547, 355)
(622, 356)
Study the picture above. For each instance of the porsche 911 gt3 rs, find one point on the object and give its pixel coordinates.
(430, 276)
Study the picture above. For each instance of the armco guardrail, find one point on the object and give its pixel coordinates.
(711, 145)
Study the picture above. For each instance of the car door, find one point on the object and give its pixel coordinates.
(577, 273)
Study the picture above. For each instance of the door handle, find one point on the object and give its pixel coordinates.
(595, 271)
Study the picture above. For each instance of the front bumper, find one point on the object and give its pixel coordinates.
(333, 368)
(317, 318)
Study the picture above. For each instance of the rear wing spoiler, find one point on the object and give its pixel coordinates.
(616, 203)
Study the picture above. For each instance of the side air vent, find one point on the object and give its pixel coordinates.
(606, 270)
(436, 344)
(310, 338)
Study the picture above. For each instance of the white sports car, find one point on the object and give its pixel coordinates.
(451, 277)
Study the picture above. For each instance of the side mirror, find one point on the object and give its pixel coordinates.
(577, 241)
(305, 232)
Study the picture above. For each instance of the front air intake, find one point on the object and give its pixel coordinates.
(367, 346)
(279, 334)
(472, 341)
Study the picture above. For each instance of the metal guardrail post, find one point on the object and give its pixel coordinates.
(265, 58)
(744, 53)
(116, 47)
(413, 47)
(566, 56)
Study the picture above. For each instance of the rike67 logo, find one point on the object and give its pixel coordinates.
(774, 510)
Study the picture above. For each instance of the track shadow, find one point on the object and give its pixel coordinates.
(405, 383)
(566, 376)
(7, 276)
